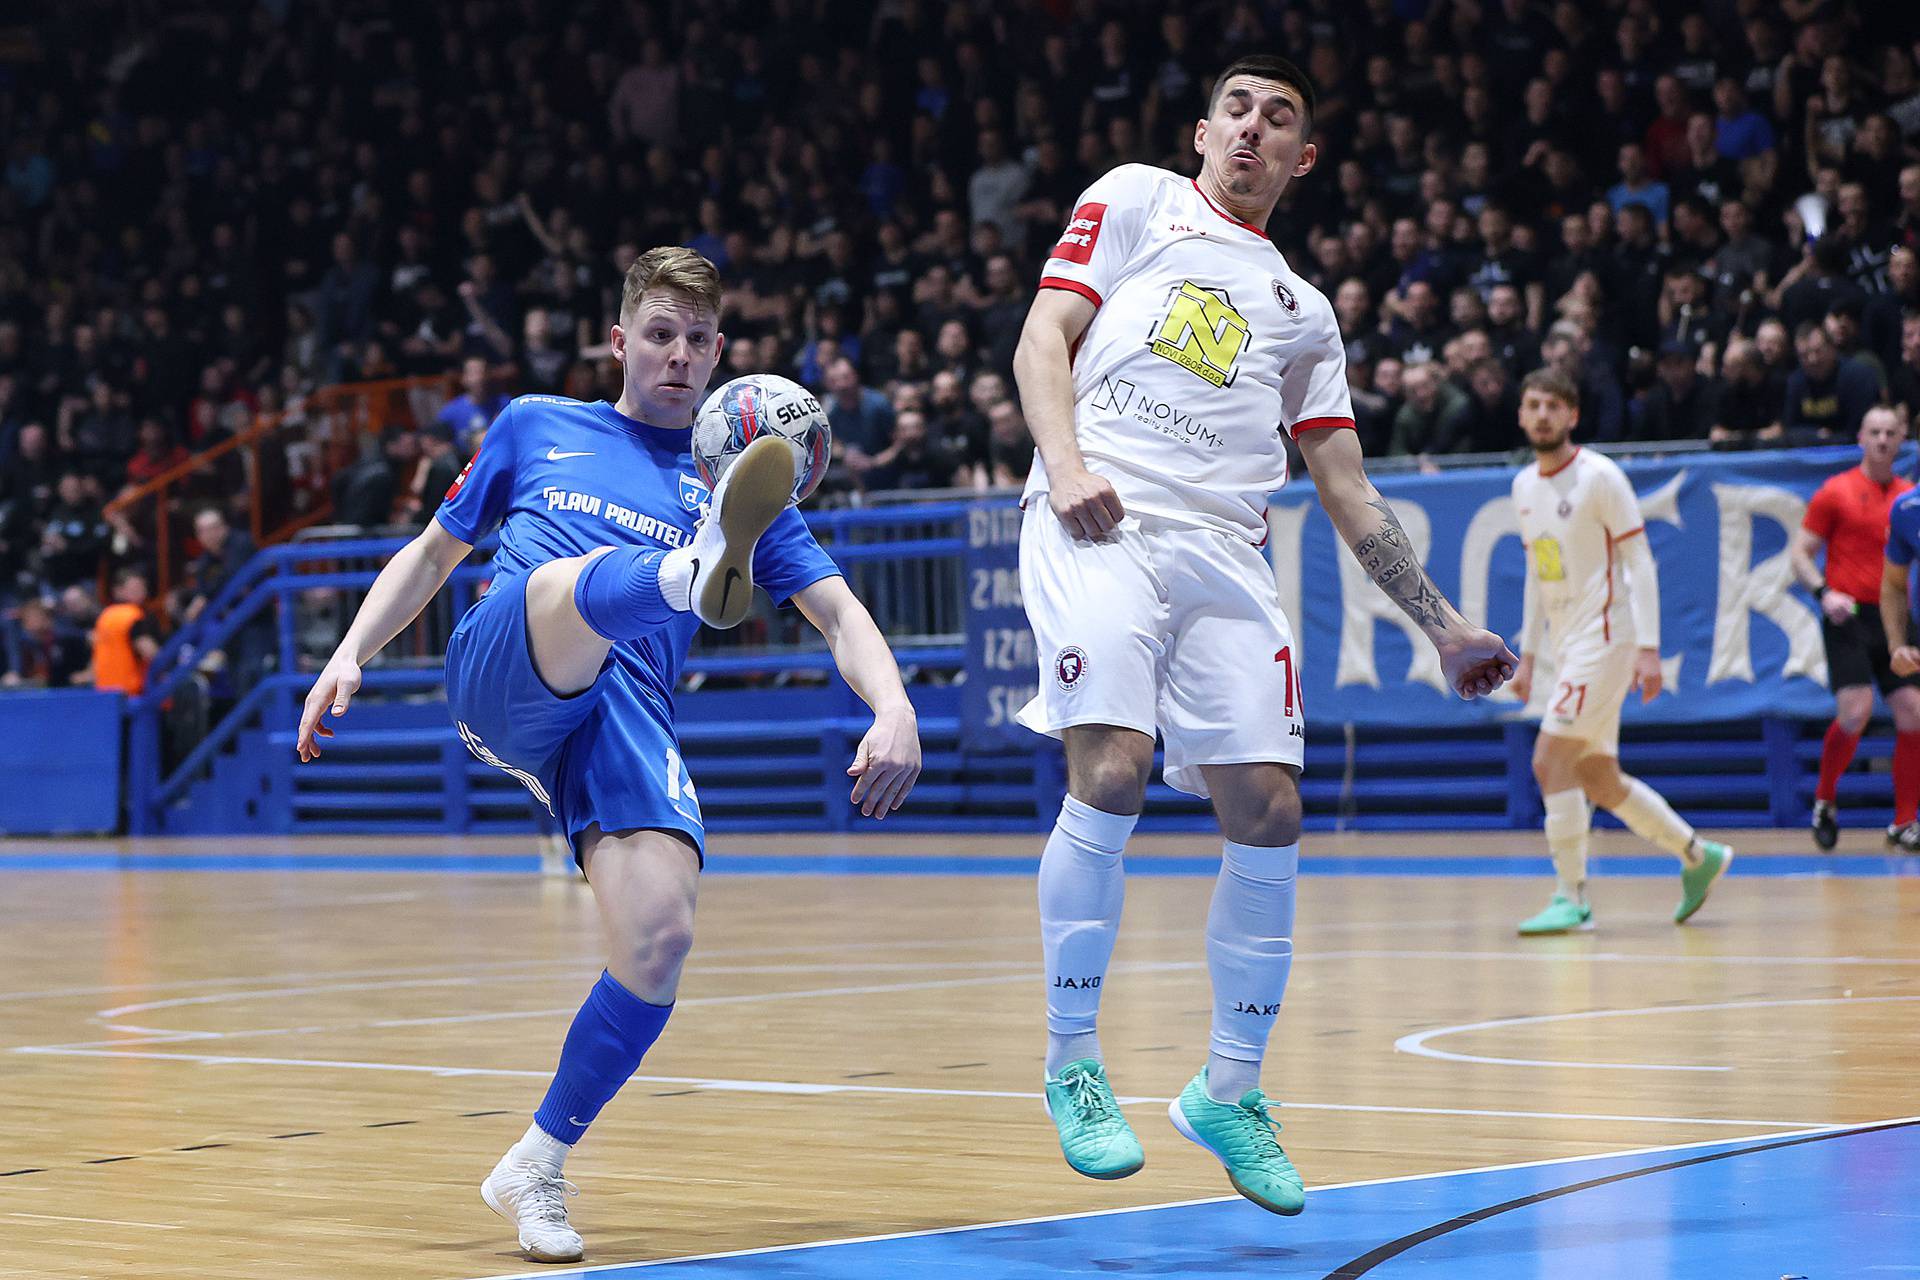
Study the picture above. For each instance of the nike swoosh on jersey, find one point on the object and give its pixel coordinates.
(554, 454)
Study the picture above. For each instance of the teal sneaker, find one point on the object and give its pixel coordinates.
(1698, 878)
(1562, 915)
(1094, 1137)
(1241, 1137)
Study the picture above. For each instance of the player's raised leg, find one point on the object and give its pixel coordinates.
(1082, 886)
(1649, 816)
(1568, 824)
(644, 883)
(579, 606)
(1249, 955)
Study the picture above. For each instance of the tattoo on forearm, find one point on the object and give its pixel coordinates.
(1387, 556)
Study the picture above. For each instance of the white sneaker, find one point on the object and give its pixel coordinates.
(536, 1203)
(756, 488)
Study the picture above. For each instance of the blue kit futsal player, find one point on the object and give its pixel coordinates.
(563, 673)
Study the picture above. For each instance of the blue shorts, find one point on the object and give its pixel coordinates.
(607, 754)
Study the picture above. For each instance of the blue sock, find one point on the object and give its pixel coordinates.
(618, 594)
(611, 1033)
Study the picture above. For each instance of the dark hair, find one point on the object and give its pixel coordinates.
(1266, 66)
(1553, 383)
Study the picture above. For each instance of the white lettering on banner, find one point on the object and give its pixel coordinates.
(1285, 526)
(1491, 523)
(1362, 605)
(1761, 588)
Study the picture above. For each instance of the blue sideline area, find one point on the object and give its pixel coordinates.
(1849, 866)
(1812, 1204)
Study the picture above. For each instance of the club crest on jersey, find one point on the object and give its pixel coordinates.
(1284, 296)
(1565, 508)
(1069, 667)
(694, 496)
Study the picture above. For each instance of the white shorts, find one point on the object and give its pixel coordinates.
(1590, 685)
(1163, 626)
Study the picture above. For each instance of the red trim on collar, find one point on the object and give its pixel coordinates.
(1223, 213)
(1548, 475)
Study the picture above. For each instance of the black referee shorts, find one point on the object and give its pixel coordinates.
(1857, 652)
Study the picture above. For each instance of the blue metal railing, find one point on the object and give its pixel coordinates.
(908, 554)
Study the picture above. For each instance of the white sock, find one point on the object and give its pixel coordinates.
(1082, 886)
(542, 1150)
(1568, 825)
(676, 578)
(1649, 816)
(1249, 953)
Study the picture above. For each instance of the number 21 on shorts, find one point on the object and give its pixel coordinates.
(1574, 693)
(1296, 700)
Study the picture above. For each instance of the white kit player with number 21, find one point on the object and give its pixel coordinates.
(1593, 600)
(1167, 355)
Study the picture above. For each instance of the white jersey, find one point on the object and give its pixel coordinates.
(1205, 349)
(1571, 519)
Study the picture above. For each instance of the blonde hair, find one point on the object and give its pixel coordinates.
(671, 267)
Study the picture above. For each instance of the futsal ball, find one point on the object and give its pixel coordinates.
(757, 405)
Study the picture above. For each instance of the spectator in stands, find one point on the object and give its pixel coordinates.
(75, 533)
(861, 418)
(1905, 380)
(1749, 403)
(1680, 405)
(1434, 417)
(364, 493)
(429, 478)
(1740, 132)
(1638, 186)
(124, 637)
(39, 652)
(223, 549)
(469, 414)
(1827, 395)
(157, 455)
(1009, 447)
(1492, 424)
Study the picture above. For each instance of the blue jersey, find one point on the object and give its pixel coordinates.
(562, 477)
(1903, 528)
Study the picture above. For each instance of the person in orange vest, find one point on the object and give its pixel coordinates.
(124, 638)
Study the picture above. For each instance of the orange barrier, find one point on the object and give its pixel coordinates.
(328, 424)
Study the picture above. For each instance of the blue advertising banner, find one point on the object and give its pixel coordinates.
(1001, 667)
(1738, 638)
(60, 756)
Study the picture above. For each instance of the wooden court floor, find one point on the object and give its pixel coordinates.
(218, 1073)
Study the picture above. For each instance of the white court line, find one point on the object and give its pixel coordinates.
(551, 1273)
(104, 1222)
(1417, 1043)
(804, 1088)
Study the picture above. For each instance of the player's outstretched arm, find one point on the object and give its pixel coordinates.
(1475, 660)
(887, 763)
(397, 596)
(1043, 368)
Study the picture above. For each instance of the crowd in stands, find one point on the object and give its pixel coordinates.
(1705, 213)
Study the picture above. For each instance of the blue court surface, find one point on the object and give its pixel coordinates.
(1829, 1204)
(763, 864)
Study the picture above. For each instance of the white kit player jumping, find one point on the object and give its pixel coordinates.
(1584, 535)
(1168, 353)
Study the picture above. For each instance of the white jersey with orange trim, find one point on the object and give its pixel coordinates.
(1206, 347)
(1572, 519)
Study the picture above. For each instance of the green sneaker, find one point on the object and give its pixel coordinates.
(1698, 878)
(1562, 915)
(1241, 1137)
(1094, 1137)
